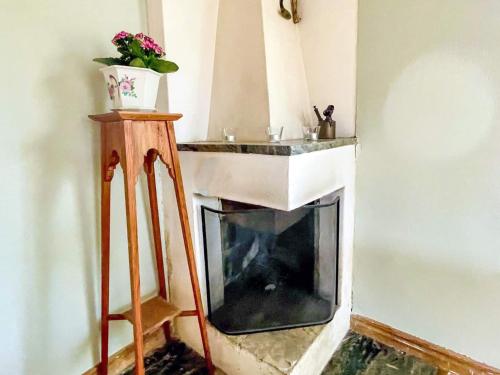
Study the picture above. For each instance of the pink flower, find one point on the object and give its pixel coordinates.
(159, 50)
(121, 35)
(149, 43)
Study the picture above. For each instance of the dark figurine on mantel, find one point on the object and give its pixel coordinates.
(326, 125)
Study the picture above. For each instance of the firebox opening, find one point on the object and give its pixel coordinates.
(269, 269)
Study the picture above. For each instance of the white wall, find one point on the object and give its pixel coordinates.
(428, 194)
(328, 33)
(49, 262)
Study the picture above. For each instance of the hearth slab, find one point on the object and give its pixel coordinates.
(280, 349)
(299, 351)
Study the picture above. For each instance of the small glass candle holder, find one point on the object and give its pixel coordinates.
(274, 133)
(311, 133)
(229, 134)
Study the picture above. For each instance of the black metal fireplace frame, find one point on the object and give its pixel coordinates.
(336, 201)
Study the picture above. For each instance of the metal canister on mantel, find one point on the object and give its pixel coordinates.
(326, 125)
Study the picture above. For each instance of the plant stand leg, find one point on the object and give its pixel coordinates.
(155, 222)
(188, 244)
(133, 251)
(105, 239)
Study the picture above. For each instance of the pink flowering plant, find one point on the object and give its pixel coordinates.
(140, 51)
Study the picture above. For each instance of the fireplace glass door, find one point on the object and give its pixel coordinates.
(268, 269)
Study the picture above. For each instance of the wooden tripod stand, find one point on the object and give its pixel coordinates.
(135, 140)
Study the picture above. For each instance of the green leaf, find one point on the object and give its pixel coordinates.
(138, 63)
(136, 49)
(163, 66)
(108, 60)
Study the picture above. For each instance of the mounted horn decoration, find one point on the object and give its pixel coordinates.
(286, 14)
(295, 11)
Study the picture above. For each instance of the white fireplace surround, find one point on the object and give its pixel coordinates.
(281, 182)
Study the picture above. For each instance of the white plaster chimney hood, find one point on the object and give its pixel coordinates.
(259, 77)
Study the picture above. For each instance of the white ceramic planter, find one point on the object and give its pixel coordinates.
(131, 88)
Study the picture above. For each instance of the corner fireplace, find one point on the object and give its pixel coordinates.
(268, 269)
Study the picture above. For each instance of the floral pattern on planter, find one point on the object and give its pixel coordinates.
(126, 85)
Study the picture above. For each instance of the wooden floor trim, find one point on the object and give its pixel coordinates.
(446, 360)
(124, 358)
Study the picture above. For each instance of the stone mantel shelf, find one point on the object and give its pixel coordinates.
(283, 148)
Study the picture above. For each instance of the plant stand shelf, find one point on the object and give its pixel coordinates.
(155, 312)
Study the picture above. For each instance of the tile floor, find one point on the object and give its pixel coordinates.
(173, 359)
(358, 355)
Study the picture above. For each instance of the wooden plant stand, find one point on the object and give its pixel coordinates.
(135, 140)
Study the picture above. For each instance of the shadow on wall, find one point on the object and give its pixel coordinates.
(63, 237)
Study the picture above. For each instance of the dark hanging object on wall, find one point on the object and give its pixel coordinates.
(295, 11)
(327, 125)
(284, 12)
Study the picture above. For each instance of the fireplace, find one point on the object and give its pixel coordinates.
(269, 269)
(274, 180)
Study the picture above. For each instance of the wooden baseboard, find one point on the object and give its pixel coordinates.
(446, 360)
(124, 358)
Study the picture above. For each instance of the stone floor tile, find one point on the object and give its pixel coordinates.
(360, 355)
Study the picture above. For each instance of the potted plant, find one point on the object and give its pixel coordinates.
(133, 78)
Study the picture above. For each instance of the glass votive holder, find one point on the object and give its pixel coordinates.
(229, 134)
(274, 133)
(311, 133)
